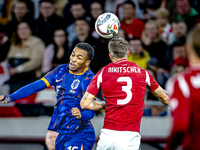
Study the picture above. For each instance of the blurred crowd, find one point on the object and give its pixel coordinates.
(38, 35)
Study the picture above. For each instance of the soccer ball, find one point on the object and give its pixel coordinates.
(107, 25)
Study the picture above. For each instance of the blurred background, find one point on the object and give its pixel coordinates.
(38, 35)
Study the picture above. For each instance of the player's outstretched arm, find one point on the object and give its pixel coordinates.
(161, 94)
(88, 102)
(24, 91)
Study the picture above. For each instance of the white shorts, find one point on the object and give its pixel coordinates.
(118, 140)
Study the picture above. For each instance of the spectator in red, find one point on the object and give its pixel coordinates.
(132, 25)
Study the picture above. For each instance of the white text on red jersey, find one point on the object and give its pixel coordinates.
(124, 70)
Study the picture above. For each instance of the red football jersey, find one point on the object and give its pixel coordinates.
(184, 91)
(123, 84)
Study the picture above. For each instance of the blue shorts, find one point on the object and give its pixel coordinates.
(79, 141)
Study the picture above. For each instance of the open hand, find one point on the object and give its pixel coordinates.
(76, 112)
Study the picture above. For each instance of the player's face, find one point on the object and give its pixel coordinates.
(78, 60)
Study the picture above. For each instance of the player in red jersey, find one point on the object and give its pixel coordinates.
(184, 90)
(123, 84)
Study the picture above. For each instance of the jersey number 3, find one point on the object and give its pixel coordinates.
(126, 89)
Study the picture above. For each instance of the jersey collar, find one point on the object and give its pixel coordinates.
(78, 73)
(122, 60)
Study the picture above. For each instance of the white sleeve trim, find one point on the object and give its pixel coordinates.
(99, 79)
(148, 79)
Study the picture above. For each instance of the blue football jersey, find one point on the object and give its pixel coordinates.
(69, 88)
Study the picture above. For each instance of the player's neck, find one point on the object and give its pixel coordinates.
(114, 60)
(79, 71)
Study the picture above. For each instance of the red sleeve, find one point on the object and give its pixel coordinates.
(94, 85)
(179, 105)
(152, 83)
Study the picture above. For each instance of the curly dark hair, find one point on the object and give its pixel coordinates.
(88, 48)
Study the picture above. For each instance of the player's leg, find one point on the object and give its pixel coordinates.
(61, 140)
(128, 140)
(118, 140)
(106, 140)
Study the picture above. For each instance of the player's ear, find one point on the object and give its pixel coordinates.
(110, 56)
(128, 53)
(87, 62)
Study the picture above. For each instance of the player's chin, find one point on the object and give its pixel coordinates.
(73, 68)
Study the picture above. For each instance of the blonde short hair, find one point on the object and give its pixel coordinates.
(162, 12)
(118, 47)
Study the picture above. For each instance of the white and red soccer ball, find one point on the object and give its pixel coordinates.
(107, 25)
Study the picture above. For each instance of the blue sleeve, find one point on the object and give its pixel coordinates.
(86, 115)
(28, 90)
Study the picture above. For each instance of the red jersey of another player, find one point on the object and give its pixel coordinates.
(123, 84)
(184, 91)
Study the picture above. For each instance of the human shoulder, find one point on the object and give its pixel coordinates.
(35, 40)
(138, 21)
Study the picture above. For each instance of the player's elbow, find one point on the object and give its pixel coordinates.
(83, 104)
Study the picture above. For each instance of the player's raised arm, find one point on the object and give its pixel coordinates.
(25, 91)
(160, 93)
(88, 102)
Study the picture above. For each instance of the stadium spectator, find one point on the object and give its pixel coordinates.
(95, 10)
(178, 68)
(47, 22)
(187, 14)
(20, 12)
(82, 27)
(4, 46)
(178, 33)
(5, 12)
(184, 99)
(124, 90)
(153, 43)
(56, 53)
(50, 140)
(77, 11)
(137, 54)
(122, 34)
(115, 7)
(131, 25)
(177, 53)
(162, 15)
(24, 57)
(70, 81)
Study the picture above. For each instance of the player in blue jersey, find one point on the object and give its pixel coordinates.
(70, 81)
